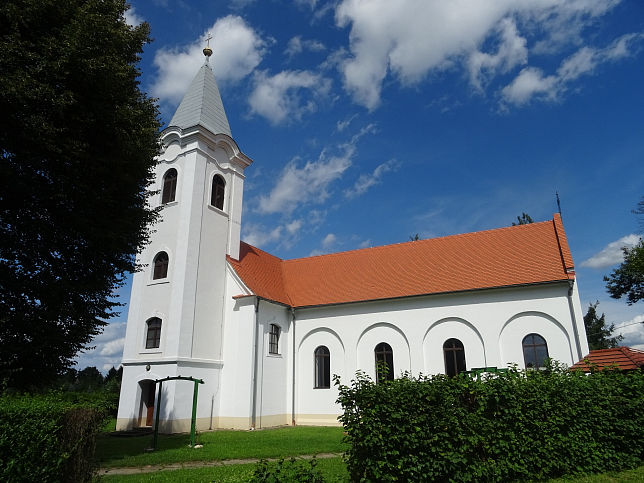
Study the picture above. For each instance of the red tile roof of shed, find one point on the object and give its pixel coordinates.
(504, 257)
(624, 358)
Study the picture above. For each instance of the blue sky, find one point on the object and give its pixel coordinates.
(370, 121)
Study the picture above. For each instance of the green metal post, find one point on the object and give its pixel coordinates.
(194, 414)
(156, 422)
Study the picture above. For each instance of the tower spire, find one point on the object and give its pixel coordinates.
(202, 104)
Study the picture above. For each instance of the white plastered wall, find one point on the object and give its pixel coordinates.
(491, 325)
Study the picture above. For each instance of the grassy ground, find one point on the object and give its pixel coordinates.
(272, 443)
(219, 445)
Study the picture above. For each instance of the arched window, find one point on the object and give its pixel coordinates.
(169, 186)
(160, 266)
(217, 195)
(274, 339)
(153, 338)
(385, 355)
(322, 368)
(454, 354)
(535, 351)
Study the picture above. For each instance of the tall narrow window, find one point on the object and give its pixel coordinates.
(384, 360)
(274, 339)
(454, 353)
(153, 338)
(322, 368)
(535, 351)
(169, 186)
(217, 195)
(160, 266)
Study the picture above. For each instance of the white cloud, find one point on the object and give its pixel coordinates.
(296, 46)
(259, 236)
(528, 83)
(108, 348)
(329, 241)
(411, 38)
(132, 18)
(284, 234)
(342, 125)
(633, 332)
(237, 50)
(294, 226)
(532, 83)
(512, 51)
(309, 183)
(300, 185)
(366, 181)
(286, 96)
(612, 253)
(113, 347)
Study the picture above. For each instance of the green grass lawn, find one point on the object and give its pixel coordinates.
(114, 451)
(270, 443)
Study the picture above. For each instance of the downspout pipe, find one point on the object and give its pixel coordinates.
(255, 358)
(293, 374)
(571, 306)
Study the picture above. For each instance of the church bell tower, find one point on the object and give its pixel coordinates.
(176, 314)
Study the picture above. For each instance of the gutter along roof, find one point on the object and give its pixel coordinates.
(505, 257)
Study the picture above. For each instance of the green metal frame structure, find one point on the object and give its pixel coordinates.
(194, 406)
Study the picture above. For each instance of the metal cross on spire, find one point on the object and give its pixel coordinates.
(207, 51)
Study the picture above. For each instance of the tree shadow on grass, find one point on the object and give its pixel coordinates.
(111, 449)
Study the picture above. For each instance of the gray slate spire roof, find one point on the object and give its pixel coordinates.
(202, 105)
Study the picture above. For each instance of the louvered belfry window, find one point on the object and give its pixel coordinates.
(160, 266)
(218, 190)
(153, 338)
(169, 190)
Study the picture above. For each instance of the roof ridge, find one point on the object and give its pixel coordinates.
(628, 352)
(425, 240)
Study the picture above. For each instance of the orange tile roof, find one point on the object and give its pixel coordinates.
(504, 257)
(624, 358)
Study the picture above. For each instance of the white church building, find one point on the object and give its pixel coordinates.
(266, 334)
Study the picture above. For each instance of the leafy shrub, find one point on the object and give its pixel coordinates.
(47, 438)
(287, 471)
(510, 426)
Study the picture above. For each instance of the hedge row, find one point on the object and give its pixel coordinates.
(511, 426)
(48, 437)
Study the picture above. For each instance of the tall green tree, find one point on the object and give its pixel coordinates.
(597, 332)
(77, 145)
(628, 279)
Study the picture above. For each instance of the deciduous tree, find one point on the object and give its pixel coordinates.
(77, 145)
(628, 279)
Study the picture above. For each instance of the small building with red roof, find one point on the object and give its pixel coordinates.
(266, 335)
(619, 358)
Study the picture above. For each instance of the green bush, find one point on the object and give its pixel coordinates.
(510, 426)
(48, 437)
